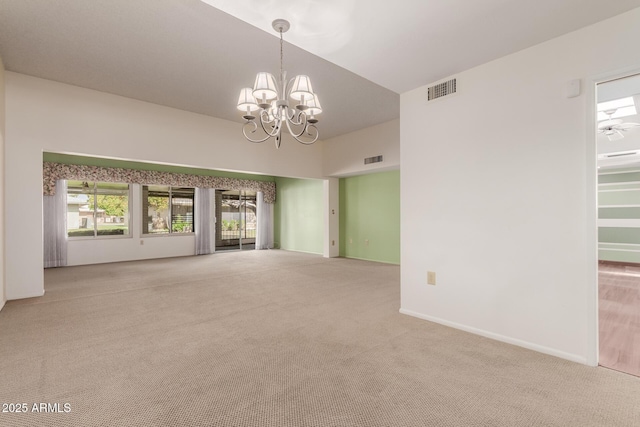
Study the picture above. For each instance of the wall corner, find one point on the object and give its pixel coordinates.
(3, 293)
(331, 218)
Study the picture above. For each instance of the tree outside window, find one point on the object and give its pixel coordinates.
(97, 209)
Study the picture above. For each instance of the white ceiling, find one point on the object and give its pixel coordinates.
(189, 55)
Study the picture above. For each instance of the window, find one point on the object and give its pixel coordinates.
(97, 209)
(167, 209)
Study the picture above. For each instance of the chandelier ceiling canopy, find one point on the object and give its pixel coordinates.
(280, 103)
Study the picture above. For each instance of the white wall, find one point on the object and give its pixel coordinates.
(2, 224)
(498, 194)
(47, 116)
(344, 155)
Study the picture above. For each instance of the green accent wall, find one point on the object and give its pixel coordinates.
(68, 159)
(370, 217)
(299, 215)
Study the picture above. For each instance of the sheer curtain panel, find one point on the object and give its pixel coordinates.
(264, 231)
(203, 220)
(55, 226)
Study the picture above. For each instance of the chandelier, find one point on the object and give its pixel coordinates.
(272, 102)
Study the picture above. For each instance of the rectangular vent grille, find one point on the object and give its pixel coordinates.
(628, 153)
(374, 159)
(441, 89)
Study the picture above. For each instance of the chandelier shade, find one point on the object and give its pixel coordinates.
(265, 88)
(301, 89)
(246, 101)
(313, 106)
(270, 99)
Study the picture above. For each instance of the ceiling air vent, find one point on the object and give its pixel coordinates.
(374, 159)
(441, 89)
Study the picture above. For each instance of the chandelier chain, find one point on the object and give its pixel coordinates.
(281, 61)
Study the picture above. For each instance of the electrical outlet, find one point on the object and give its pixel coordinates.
(366, 242)
(431, 278)
(350, 241)
(141, 242)
(333, 243)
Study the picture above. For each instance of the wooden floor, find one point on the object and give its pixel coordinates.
(619, 306)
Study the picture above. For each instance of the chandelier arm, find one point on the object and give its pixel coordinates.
(274, 132)
(277, 115)
(291, 114)
(302, 121)
(276, 127)
(315, 131)
(255, 127)
(306, 130)
(264, 117)
(291, 131)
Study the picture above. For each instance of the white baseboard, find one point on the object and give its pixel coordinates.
(498, 337)
(25, 296)
(302, 252)
(372, 260)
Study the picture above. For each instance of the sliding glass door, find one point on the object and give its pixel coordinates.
(236, 220)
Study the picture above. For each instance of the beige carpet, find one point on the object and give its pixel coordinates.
(275, 338)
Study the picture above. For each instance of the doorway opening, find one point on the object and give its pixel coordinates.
(236, 222)
(618, 151)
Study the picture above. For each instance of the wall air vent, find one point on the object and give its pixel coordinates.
(441, 89)
(623, 154)
(374, 159)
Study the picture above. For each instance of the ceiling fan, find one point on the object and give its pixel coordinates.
(613, 128)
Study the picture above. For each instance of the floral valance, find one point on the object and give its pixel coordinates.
(54, 171)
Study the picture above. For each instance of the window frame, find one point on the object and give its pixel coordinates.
(145, 211)
(96, 236)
